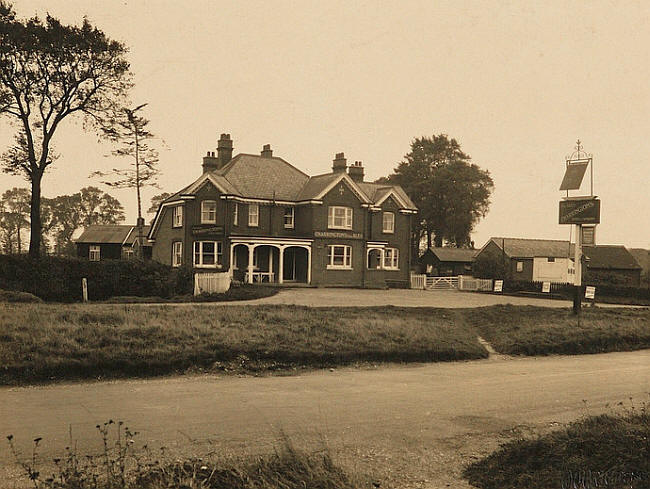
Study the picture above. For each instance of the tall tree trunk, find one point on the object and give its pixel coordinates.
(438, 240)
(428, 239)
(35, 216)
(18, 240)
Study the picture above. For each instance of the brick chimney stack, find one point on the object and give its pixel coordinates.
(356, 172)
(224, 150)
(210, 162)
(267, 152)
(340, 164)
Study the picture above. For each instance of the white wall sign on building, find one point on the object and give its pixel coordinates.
(546, 287)
(588, 235)
(498, 285)
(590, 292)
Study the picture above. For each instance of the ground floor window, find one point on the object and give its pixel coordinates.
(339, 256)
(520, 266)
(127, 252)
(177, 253)
(207, 253)
(93, 253)
(391, 258)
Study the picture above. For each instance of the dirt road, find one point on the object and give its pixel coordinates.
(407, 426)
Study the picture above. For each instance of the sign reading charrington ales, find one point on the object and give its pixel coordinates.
(199, 230)
(580, 211)
(333, 234)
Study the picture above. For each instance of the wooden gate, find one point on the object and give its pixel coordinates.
(442, 283)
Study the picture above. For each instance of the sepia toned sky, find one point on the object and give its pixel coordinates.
(516, 83)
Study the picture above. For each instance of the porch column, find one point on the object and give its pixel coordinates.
(381, 259)
(251, 250)
(270, 261)
(309, 265)
(232, 259)
(281, 265)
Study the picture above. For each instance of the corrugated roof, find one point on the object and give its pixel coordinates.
(530, 248)
(113, 233)
(263, 178)
(454, 254)
(610, 257)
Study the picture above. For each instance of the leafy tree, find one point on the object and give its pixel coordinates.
(450, 191)
(50, 72)
(156, 200)
(131, 133)
(97, 207)
(14, 217)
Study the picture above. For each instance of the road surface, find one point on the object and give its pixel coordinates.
(408, 426)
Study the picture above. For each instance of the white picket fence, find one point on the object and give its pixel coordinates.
(211, 283)
(471, 283)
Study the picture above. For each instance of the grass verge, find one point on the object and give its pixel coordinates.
(51, 342)
(121, 465)
(235, 293)
(597, 451)
(529, 330)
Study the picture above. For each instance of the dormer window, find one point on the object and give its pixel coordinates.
(339, 217)
(208, 212)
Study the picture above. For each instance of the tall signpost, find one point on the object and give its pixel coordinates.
(579, 211)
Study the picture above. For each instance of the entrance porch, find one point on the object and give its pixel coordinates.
(266, 260)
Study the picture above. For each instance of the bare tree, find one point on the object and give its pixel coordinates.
(49, 72)
(131, 134)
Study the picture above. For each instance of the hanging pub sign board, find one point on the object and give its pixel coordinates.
(498, 285)
(588, 237)
(582, 210)
(546, 287)
(590, 292)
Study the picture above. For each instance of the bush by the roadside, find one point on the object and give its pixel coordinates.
(58, 279)
(529, 330)
(597, 451)
(90, 341)
(13, 296)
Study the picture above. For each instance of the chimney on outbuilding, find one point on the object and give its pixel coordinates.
(356, 171)
(224, 150)
(210, 162)
(340, 164)
(267, 152)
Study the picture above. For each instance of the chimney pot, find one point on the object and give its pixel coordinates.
(356, 171)
(339, 164)
(267, 152)
(224, 150)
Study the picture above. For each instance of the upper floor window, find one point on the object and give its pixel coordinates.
(339, 256)
(289, 215)
(207, 253)
(551, 259)
(94, 253)
(253, 215)
(177, 253)
(388, 225)
(177, 216)
(339, 217)
(208, 212)
(391, 258)
(520, 266)
(235, 215)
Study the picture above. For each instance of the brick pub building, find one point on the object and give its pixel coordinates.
(263, 220)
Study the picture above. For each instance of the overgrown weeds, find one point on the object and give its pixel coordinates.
(120, 465)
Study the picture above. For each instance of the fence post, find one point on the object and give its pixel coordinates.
(84, 289)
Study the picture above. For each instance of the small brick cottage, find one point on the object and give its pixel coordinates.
(263, 220)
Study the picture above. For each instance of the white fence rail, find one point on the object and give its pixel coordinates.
(442, 283)
(211, 283)
(471, 283)
(418, 281)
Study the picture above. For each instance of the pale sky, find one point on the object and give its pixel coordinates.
(516, 83)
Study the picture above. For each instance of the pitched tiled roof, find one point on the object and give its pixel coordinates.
(454, 254)
(530, 248)
(113, 233)
(133, 235)
(315, 185)
(610, 257)
(377, 191)
(642, 257)
(263, 178)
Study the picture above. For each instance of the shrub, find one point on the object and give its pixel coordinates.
(54, 278)
(12, 296)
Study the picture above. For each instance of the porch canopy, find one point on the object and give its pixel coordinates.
(281, 244)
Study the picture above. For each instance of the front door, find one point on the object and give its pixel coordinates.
(289, 270)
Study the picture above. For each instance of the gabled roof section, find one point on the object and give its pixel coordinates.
(132, 237)
(316, 185)
(463, 255)
(106, 234)
(610, 257)
(259, 177)
(324, 183)
(531, 248)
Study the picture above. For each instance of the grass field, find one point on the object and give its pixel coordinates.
(42, 342)
(598, 451)
(529, 330)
